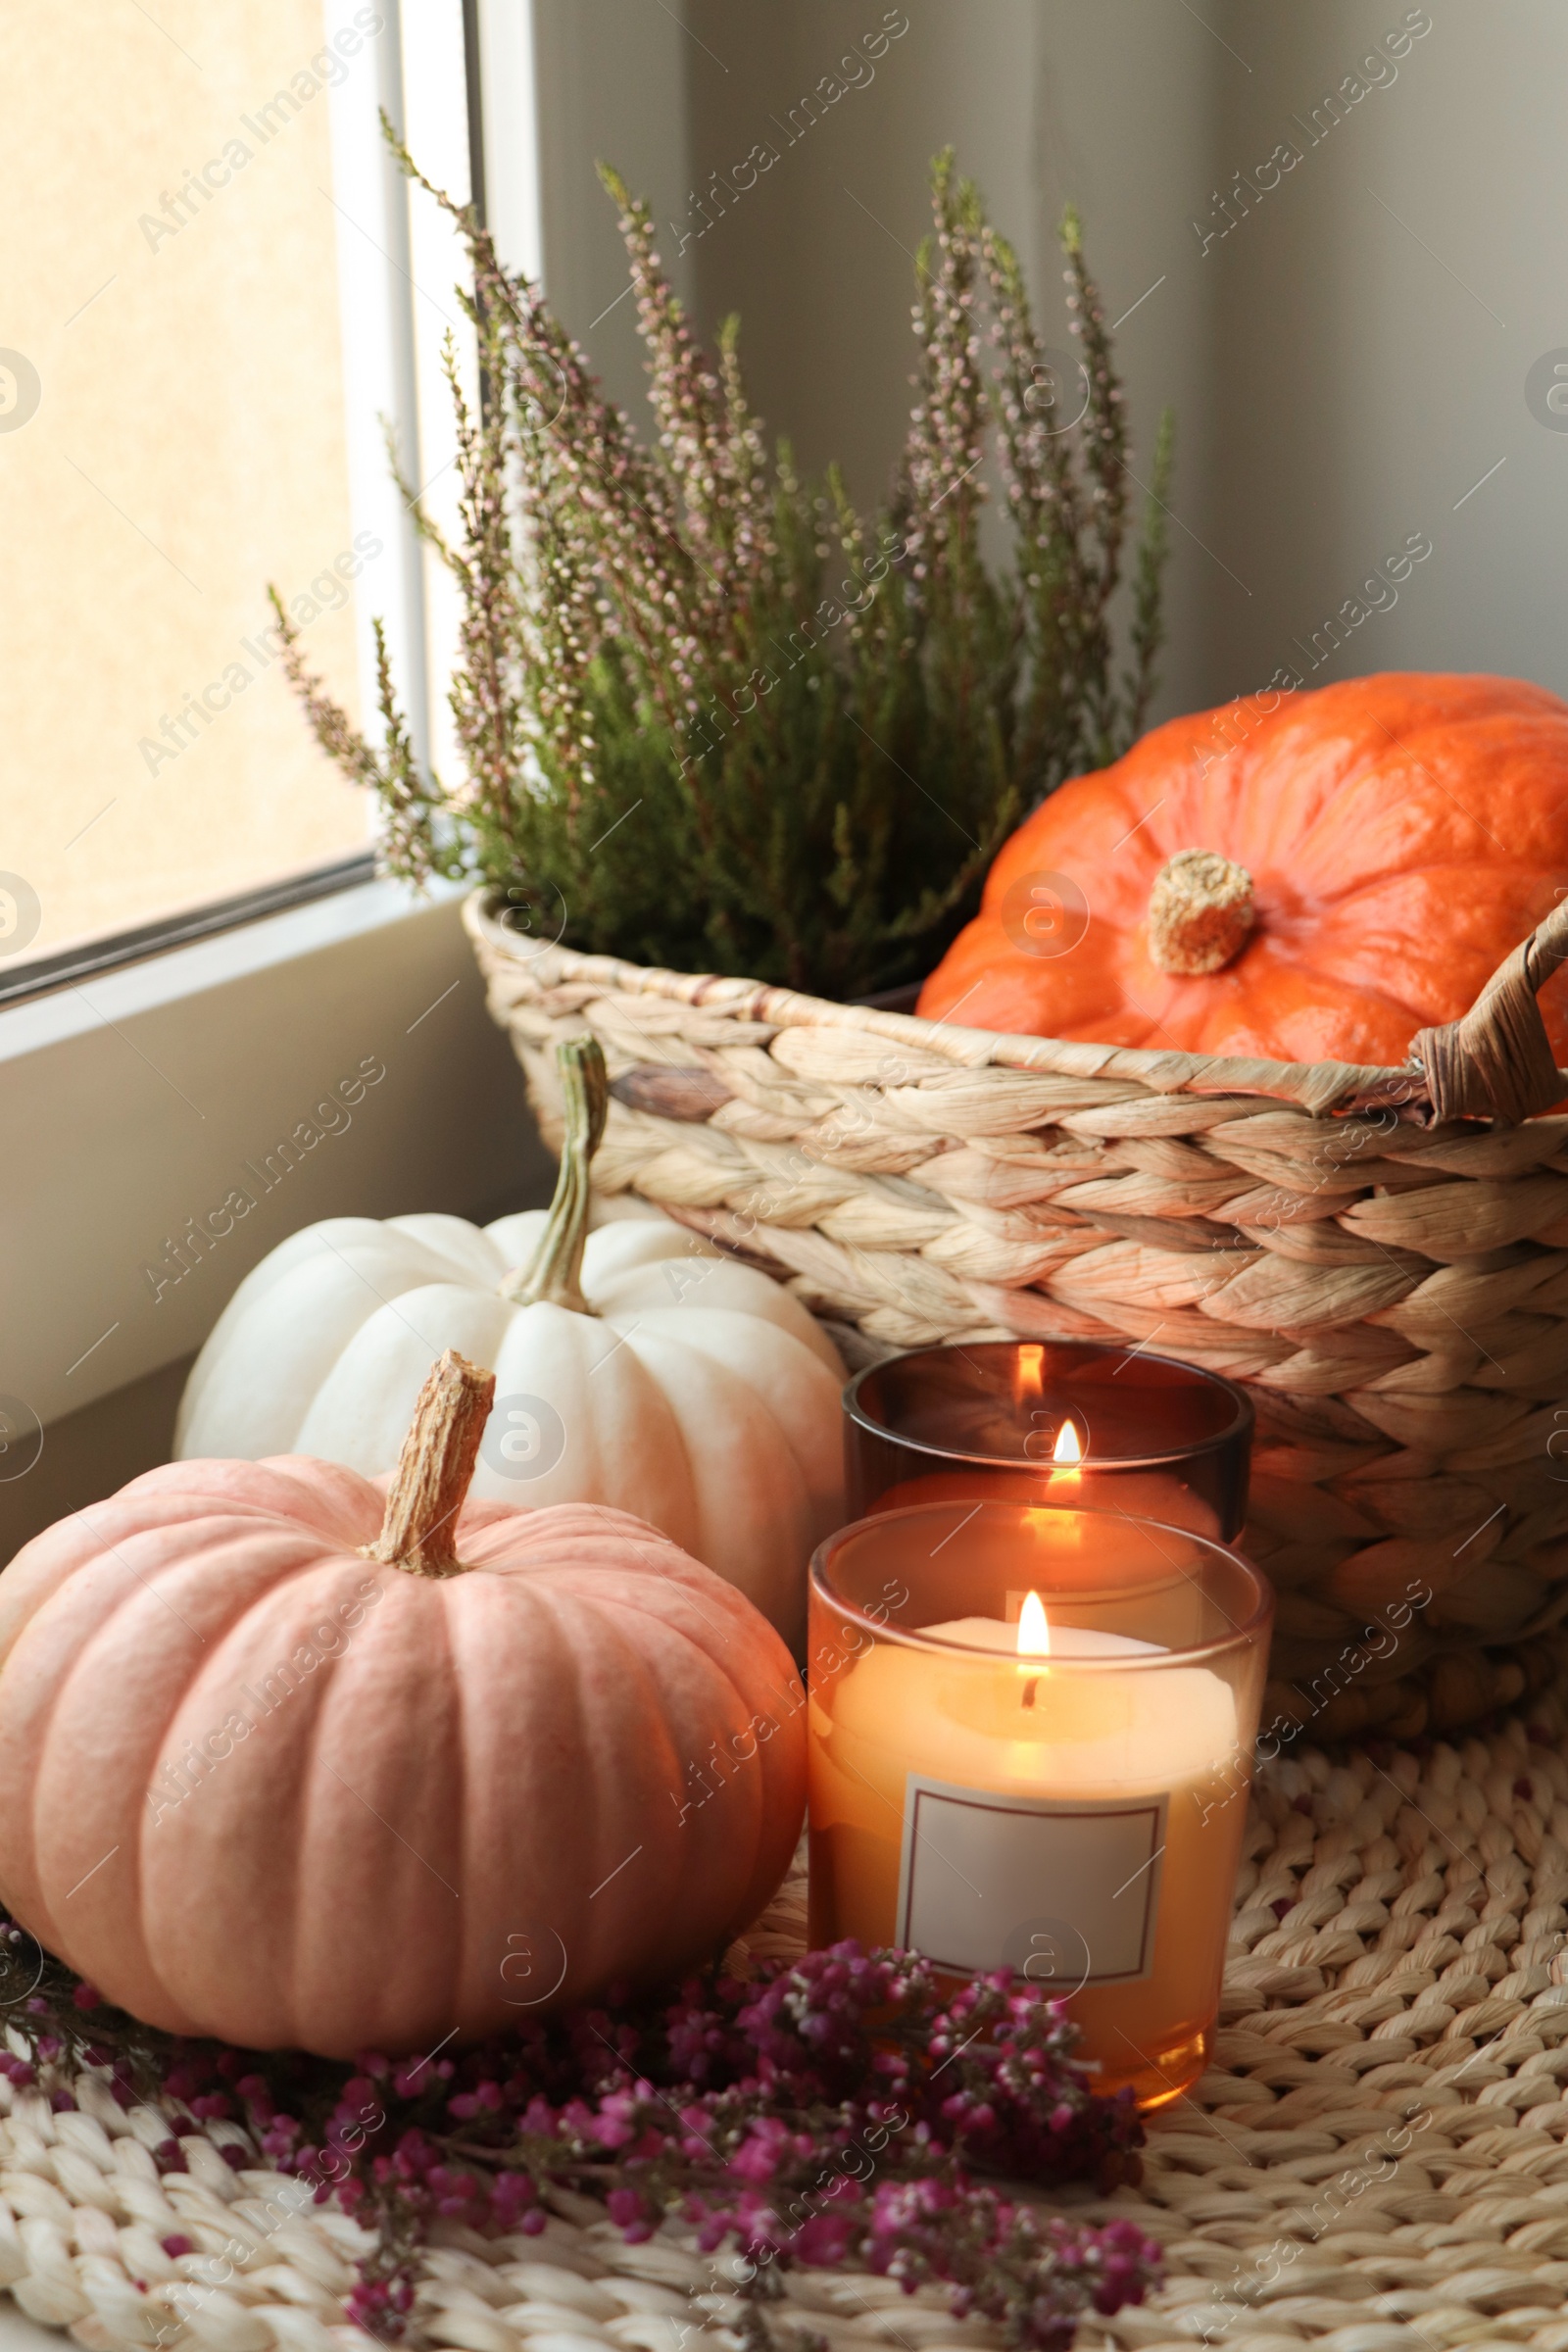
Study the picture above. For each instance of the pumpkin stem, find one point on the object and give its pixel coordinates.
(431, 1484)
(555, 1272)
(1199, 913)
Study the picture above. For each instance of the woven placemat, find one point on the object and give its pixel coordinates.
(1377, 2161)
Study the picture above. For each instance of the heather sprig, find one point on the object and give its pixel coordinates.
(708, 714)
(835, 2109)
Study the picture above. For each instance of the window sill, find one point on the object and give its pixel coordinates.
(171, 1121)
(89, 957)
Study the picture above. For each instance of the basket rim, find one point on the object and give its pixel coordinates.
(1316, 1087)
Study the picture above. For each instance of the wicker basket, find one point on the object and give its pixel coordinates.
(1381, 1255)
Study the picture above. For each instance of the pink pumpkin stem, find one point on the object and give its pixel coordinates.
(555, 1270)
(431, 1484)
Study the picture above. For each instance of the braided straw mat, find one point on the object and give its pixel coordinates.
(1393, 1292)
(1376, 2162)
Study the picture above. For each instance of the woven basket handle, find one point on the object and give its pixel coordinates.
(1496, 1062)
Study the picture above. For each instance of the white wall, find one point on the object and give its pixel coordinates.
(1337, 386)
(1368, 374)
(611, 77)
(1107, 104)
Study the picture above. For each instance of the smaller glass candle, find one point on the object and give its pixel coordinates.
(1054, 1422)
(1030, 1735)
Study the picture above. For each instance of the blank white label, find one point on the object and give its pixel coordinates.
(1066, 1892)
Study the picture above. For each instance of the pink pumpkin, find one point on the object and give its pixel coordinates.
(295, 1762)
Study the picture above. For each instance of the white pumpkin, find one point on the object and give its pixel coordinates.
(681, 1386)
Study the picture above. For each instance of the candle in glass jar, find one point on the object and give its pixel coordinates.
(1163, 1440)
(1058, 1797)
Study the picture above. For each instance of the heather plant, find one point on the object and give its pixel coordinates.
(712, 716)
(840, 2109)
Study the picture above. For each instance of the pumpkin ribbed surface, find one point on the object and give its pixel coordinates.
(637, 1367)
(1401, 833)
(451, 1797)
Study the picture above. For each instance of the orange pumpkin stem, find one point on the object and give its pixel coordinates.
(555, 1272)
(1200, 912)
(431, 1484)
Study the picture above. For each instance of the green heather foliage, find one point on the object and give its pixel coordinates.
(711, 717)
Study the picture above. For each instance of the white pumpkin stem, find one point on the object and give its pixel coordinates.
(555, 1272)
(431, 1484)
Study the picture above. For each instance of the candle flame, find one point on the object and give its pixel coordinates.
(1034, 1627)
(1068, 1447)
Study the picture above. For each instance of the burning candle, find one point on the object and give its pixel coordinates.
(1066, 1454)
(1033, 1637)
(1050, 1422)
(1050, 1776)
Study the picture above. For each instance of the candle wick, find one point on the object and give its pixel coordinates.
(1029, 1689)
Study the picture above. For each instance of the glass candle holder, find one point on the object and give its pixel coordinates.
(1030, 1741)
(1059, 1422)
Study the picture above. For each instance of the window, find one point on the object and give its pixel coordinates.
(208, 395)
(213, 300)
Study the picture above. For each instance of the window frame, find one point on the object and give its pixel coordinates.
(381, 341)
(295, 976)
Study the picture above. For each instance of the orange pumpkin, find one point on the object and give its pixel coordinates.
(1374, 850)
(270, 1774)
